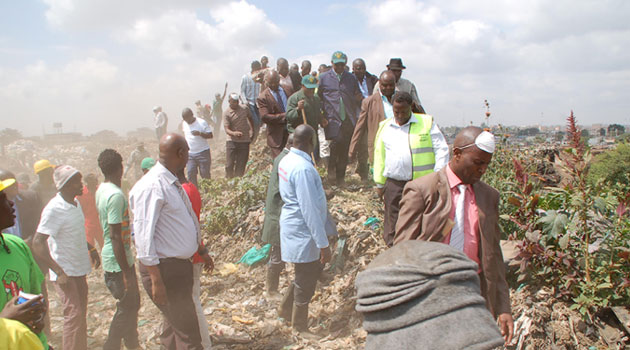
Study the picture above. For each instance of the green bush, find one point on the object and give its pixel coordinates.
(611, 166)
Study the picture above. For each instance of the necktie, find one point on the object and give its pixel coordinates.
(457, 234)
(186, 200)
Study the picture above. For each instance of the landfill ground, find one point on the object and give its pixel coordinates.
(238, 313)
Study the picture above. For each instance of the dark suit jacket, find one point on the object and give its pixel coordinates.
(372, 114)
(296, 80)
(330, 90)
(370, 81)
(29, 207)
(424, 214)
(271, 114)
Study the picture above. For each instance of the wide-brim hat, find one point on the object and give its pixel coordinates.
(395, 64)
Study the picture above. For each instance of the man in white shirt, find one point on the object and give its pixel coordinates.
(160, 121)
(407, 146)
(60, 242)
(166, 236)
(196, 131)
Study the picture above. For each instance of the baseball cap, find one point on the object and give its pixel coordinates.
(41, 165)
(147, 163)
(309, 81)
(6, 183)
(338, 57)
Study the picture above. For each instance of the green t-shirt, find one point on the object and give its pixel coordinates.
(113, 209)
(19, 272)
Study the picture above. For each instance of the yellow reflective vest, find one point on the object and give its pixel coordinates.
(422, 156)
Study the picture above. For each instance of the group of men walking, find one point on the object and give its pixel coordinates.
(427, 194)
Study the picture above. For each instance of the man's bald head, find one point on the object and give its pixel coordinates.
(469, 162)
(305, 68)
(173, 152)
(358, 68)
(272, 79)
(188, 115)
(387, 83)
(303, 138)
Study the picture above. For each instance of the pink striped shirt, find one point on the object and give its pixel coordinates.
(471, 216)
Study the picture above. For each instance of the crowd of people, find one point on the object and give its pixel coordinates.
(442, 264)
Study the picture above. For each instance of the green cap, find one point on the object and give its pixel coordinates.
(338, 57)
(309, 81)
(147, 163)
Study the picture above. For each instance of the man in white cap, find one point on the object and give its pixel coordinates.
(454, 207)
(161, 122)
(60, 242)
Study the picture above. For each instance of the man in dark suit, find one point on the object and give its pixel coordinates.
(366, 85)
(341, 98)
(272, 106)
(452, 206)
(372, 113)
(28, 209)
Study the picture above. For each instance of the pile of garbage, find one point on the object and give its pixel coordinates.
(239, 315)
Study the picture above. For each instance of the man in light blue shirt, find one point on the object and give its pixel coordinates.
(303, 239)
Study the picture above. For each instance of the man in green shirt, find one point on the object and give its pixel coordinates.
(118, 261)
(304, 104)
(19, 273)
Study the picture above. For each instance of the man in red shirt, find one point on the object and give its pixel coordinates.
(198, 260)
(93, 230)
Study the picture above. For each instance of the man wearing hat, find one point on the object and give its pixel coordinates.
(44, 186)
(341, 102)
(147, 164)
(27, 207)
(424, 295)
(454, 207)
(239, 128)
(135, 160)
(160, 121)
(305, 105)
(19, 273)
(402, 84)
(60, 241)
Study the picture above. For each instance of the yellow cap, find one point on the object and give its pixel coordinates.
(41, 165)
(6, 183)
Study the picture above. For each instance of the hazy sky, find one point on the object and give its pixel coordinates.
(103, 64)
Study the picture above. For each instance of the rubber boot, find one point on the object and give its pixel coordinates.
(273, 279)
(286, 306)
(300, 322)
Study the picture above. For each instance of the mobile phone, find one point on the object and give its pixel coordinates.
(24, 297)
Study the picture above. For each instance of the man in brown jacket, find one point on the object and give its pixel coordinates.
(373, 111)
(272, 106)
(452, 206)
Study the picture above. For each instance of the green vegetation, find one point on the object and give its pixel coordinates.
(574, 236)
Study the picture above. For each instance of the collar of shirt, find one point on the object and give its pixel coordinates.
(162, 171)
(363, 87)
(453, 179)
(302, 154)
(413, 119)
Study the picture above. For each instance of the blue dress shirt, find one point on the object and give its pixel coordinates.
(303, 217)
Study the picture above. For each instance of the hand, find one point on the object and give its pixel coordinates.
(506, 325)
(29, 313)
(324, 122)
(195, 133)
(62, 278)
(129, 278)
(300, 105)
(159, 292)
(380, 191)
(351, 157)
(208, 263)
(96, 260)
(325, 255)
(238, 133)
